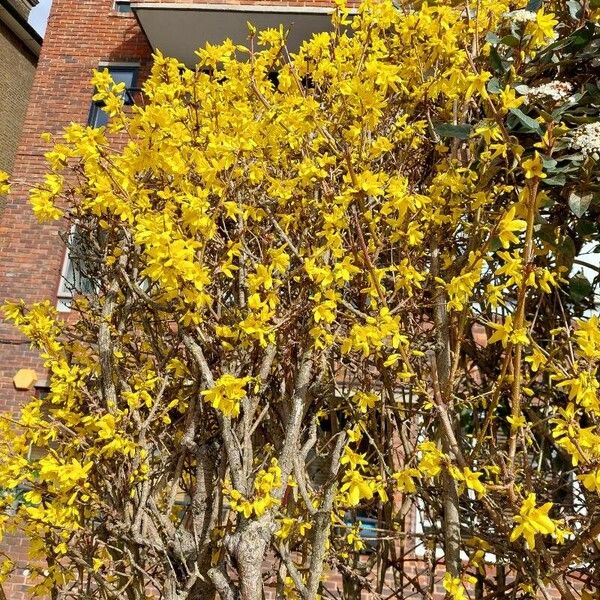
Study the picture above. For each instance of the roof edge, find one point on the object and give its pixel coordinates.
(22, 29)
(240, 8)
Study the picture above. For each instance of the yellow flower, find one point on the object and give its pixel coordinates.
(517, 422)
(4, 186)
(280, 259)
(471, 479)
(533, 167)
(325, 307)
(262, 277)
(430, 464)
(509, 100)
(461, 287)
(587, 335)
(365, 401)
(405, 480)
(370, 183)
(591, 481)
(354, 459)
(354, 539)
(226, 394)
(507, 227)
(531, 521)
(42, 199)
(505, 333)
(477, 83)
(536, 359)
(454, 587)
(356, 487)
(545, 23)
(106, 427)
(583, 389)
(354, 434)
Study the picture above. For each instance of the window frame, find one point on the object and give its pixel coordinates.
(122, 7)
(96, 116)
(64, 296)
(66, 290)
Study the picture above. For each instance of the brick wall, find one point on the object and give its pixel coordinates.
(17, 69)
(79, 35)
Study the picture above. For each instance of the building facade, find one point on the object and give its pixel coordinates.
(19, 52)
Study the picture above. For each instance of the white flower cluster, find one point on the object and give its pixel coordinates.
(587, 139)
(555, 90)
(520, 16)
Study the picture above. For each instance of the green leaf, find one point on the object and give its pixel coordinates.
(522, 89)
(579, 204)
(574, 8)
(577, 157)
(580, 38)
(565, 252)
(448, 130)
(493, 86)
(546, 233)
(594, 3)
(569, 104)
(580, 288)
(492, 38)
(488, 173)
(511, 41)
(585, 227)
(558, 180)
(495, 244)
(525, 120)
(496, 61)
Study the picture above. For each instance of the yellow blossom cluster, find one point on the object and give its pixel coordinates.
(352, 260)
(262, 500)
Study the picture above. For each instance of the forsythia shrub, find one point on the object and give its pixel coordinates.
(326, 285)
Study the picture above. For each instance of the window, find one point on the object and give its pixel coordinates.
(73, 278)
(120, 74)
(368, 528)
(123, 6)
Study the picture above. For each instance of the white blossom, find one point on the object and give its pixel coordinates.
(587, 139)
(555, 90)
(520, 16)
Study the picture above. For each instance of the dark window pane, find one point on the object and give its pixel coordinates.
(78, 269)
(97, 117)
(126, 75)
(122, 6)
(75, 275)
